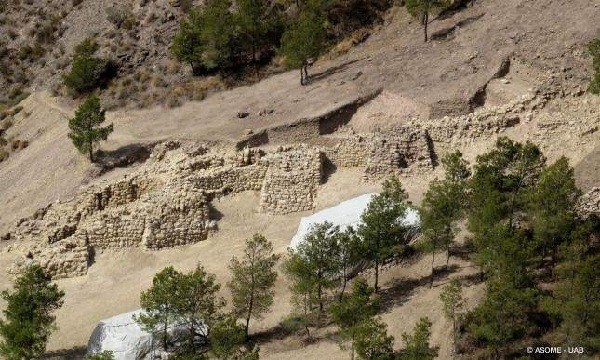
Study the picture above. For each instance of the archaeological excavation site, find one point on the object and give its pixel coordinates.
(190, 180)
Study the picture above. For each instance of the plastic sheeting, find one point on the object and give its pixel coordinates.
(344, 214)
(123, 336)
(127, 340)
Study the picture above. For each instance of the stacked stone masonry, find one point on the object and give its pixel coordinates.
(166, 202)
(291, 181)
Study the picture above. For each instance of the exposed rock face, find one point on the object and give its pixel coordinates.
(589, 203)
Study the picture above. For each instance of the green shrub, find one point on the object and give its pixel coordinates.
(3, 155)
(594, 50)
(105, 355)
(121, 16)
(88, 72)
(29, 52)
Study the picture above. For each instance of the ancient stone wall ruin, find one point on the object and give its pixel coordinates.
(291, 180)
(166, 202)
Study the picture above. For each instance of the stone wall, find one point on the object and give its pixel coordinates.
(400, 149)
(291, 181)
(350, 151)
(232, 179)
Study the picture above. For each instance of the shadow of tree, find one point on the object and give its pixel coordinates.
(123, 156)
(402, 289)
(75, 353)
(448, 32)
(330, 71)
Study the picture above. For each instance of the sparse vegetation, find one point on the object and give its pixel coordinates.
(120, 16)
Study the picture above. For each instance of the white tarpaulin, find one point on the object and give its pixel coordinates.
(121, 335)
(343, 215)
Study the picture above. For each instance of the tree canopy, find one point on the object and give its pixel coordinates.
(86, 129)
(253, 278)
(382, 230)
(176, 298)
(29, 314)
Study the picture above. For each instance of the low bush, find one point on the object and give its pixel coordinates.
(88, 72)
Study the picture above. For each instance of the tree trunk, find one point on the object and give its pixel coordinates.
(321, 307)
(91, 153)
(432, 267)
(302, 75)
(343, 288)
(425, 25)
(248, 322)
(165, 339)
(306, 74)
(376, 275)
(447, 256)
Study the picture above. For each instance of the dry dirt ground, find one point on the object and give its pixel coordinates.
(543, 38)
(114, 282)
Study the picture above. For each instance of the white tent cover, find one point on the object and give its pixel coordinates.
(121, 335)
(344, 214)
(125, 338)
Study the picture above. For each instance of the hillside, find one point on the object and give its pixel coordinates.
(391, 104)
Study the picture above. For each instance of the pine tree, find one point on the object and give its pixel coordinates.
(28, 315)
(189, 300)
(454, 305)
(304, 40)
(312, 266)
(160, 305)
(253, 279)
(502, 316)
(85, 126)
(252, 18)
(188, 45)
(423, 8)
(499, 196)
(226, 338)
(417, 344)
(372, 342)
(349, 314)
(574, 304)
(443, 205)
(349, 256)
(204, 39)
(382, 230)
(552, 206)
